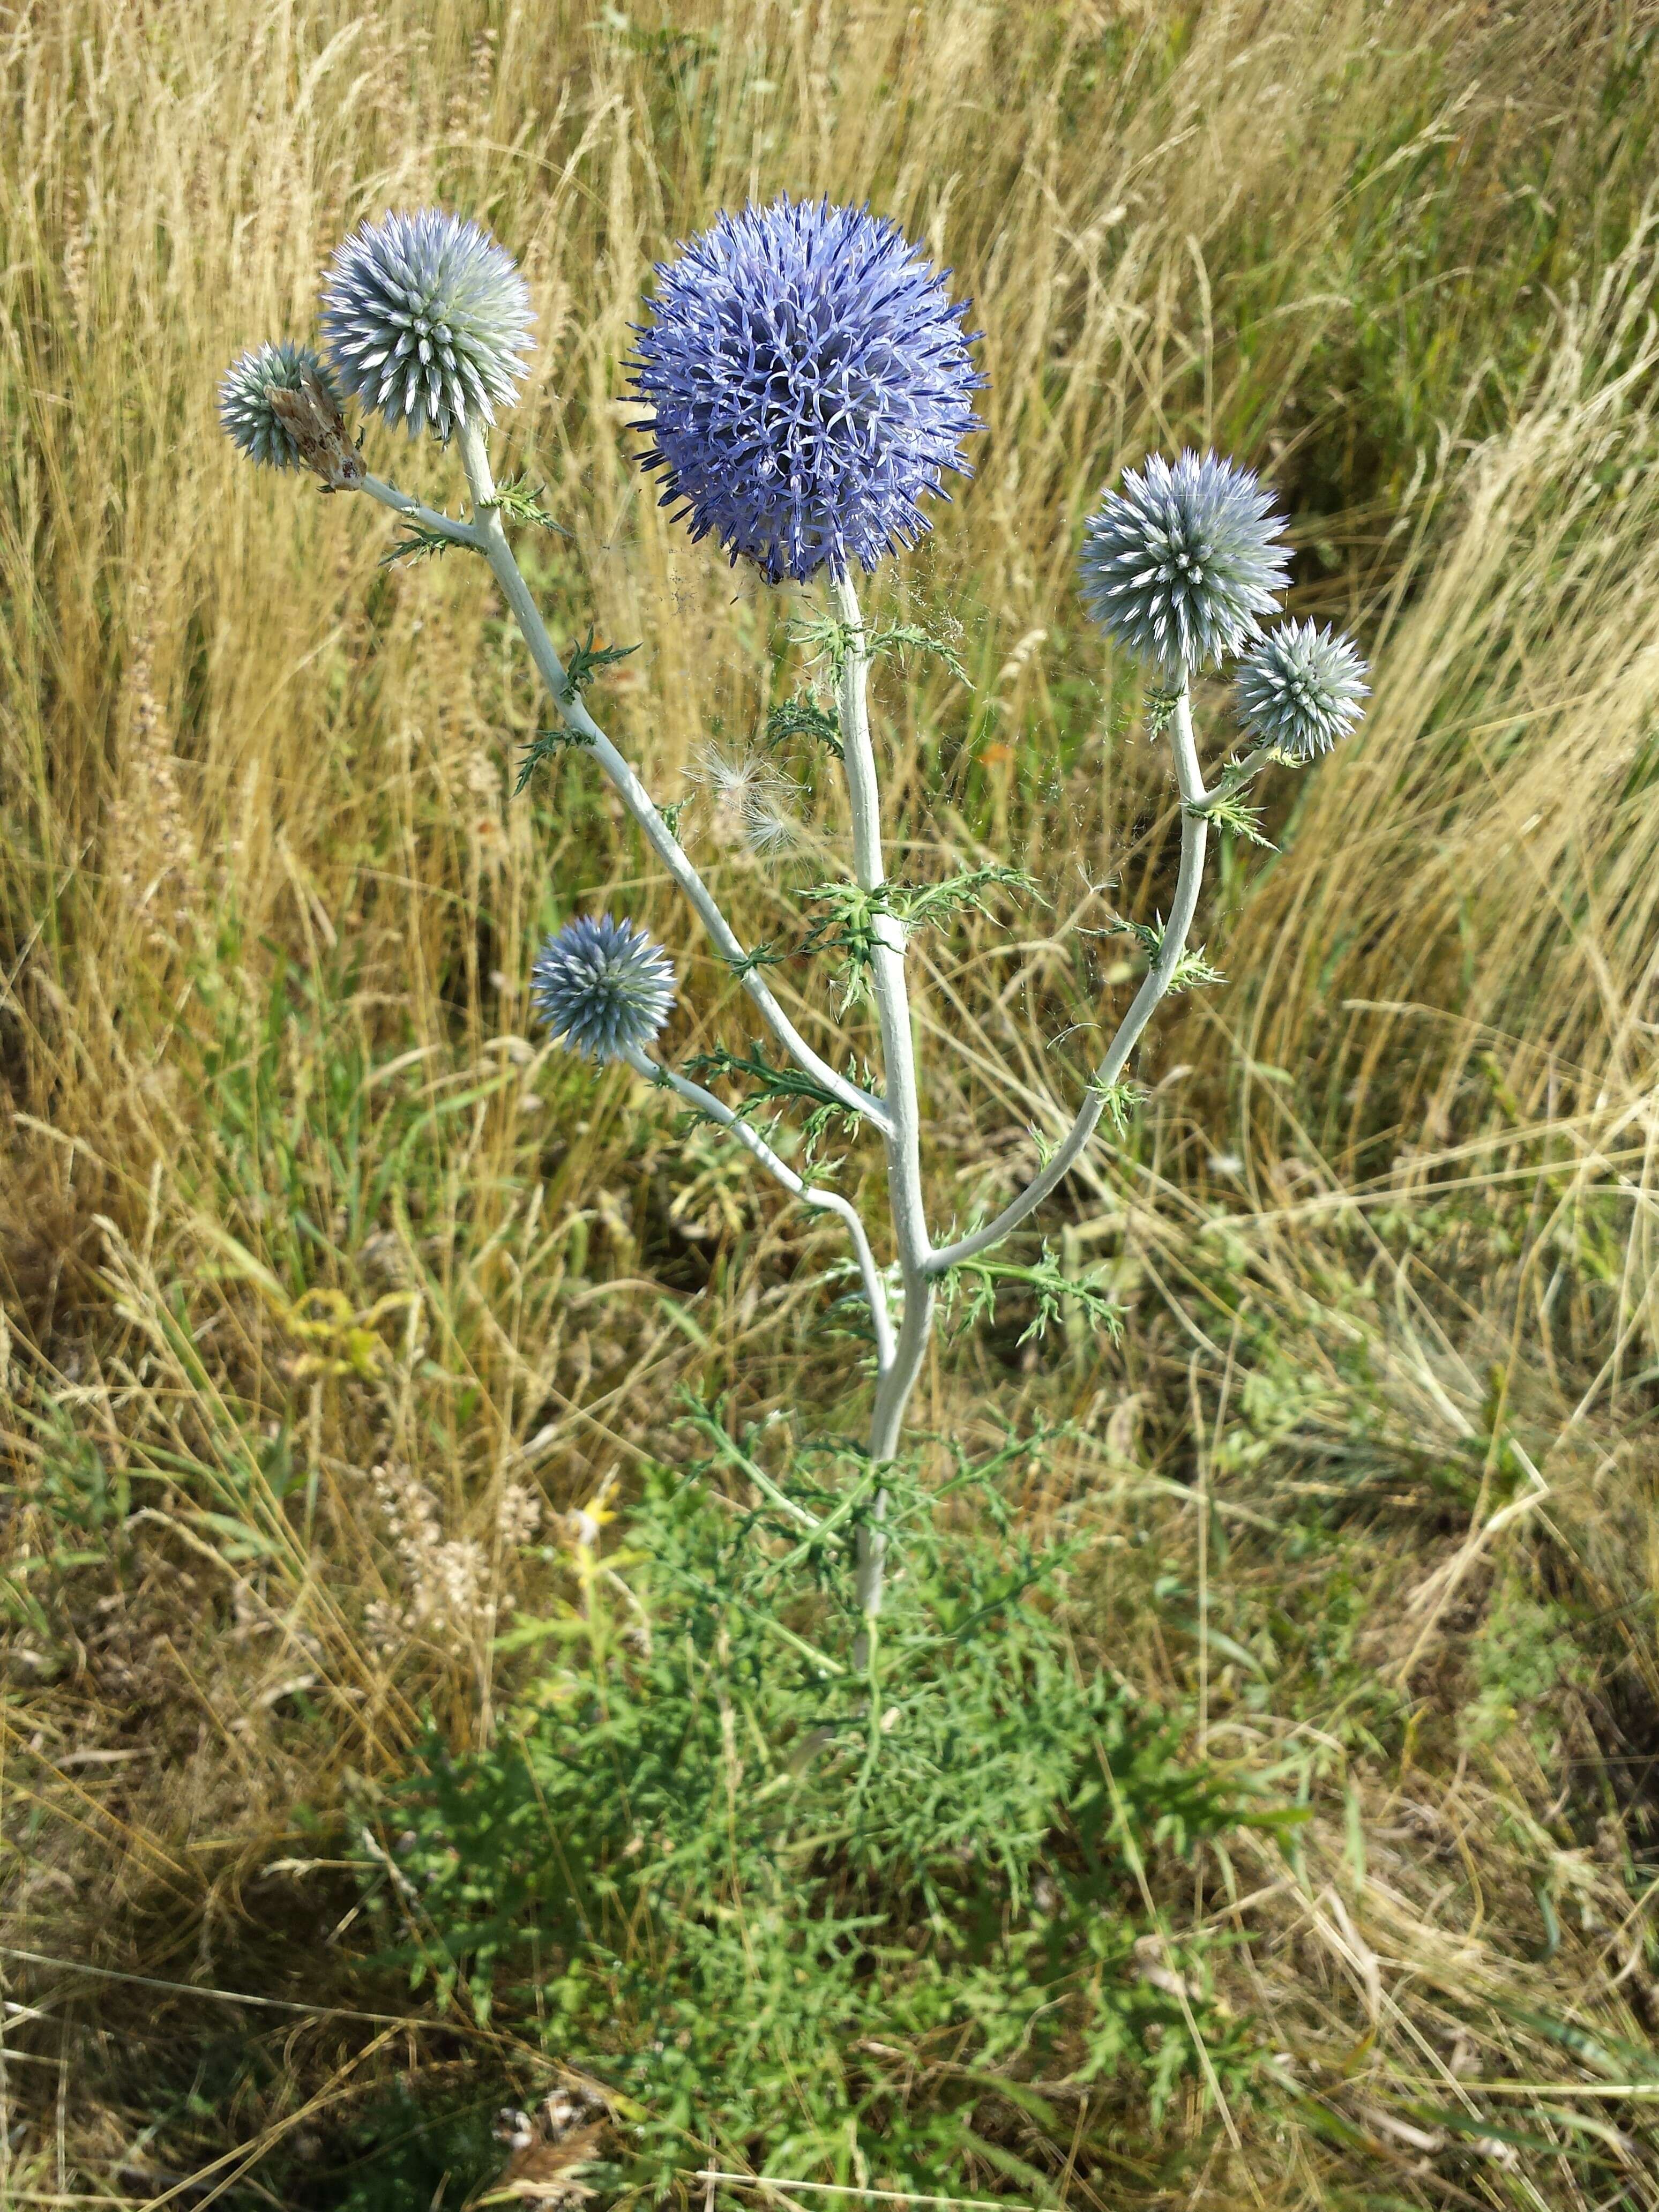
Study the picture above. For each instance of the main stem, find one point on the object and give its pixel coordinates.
(899, 1356)
(897, 1377)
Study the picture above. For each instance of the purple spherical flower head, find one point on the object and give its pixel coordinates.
(425, 317)
(1179, 563)
(603, 986)
(808, 381)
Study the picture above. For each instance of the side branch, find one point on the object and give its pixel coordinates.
(828, 1201)
(1233, 779)
(441, 526)
(491, 539)
(1195, 837)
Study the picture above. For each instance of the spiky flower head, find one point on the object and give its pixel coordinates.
(1300, 689)
(603, 986)
(245, 409)
(1179, 563)
(808, 381)
(426, 317)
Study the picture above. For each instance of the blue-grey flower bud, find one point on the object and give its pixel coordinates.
(1181, 563)
(809, 382)
(1300, 689)
(603, 986)
(245, 409)
(426, 317)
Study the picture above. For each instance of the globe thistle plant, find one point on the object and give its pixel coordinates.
(1300, 689)
(245, 413)
(426, 319)
(810, 386)
(1180, 564)
(603, 986)
(809, 382)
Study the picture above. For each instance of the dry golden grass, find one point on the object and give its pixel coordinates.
(315, 1281)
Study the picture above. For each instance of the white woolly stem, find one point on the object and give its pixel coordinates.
(491, 539)
(1195, 836)
(1234, 778)
(459, 533)
(898, 1375)
(828, 1201)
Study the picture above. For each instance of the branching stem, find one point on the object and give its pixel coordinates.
(900, 1352)
(443, 526)
(828, 1201)
(489, 535)
(1233, 779)
(1194, 837)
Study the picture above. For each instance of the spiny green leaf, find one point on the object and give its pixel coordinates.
(848, 927)
(586, 661)
(421, 544)
(968, 1294)
(1160, 710)
(547, 745)
(1191, 968)
(1228, 812)
(1119, 1101)
(1227, 809)
(763, 954)
(830, 639)
(1192, 971)
(784, 1081)
(801, 717)
(1148, 935)
(514, 497)
(899, 636)
(827, 638)
(921, 906)
(784, 1084)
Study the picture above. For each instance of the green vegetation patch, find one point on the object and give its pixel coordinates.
(828, 1919)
